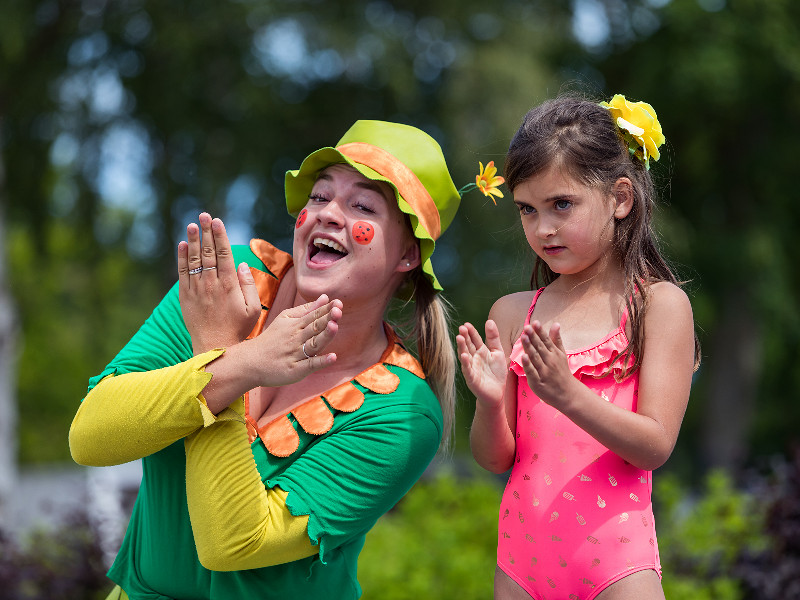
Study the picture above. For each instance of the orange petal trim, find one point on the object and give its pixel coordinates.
(400, 357)
(314, 416)
(278, 263)
(408, 184)
(379, 379)
(345, 397)
(279, 437)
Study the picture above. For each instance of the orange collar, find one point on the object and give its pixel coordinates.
(279, 436)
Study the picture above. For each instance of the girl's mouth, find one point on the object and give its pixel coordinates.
(323, 251)
(552, 250)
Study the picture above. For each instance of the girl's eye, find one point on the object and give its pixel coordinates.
(562, 204)
(317, 197)
(525, 209)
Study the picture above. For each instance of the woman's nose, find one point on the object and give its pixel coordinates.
(331, 214)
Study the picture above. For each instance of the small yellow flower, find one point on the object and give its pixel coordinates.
(639, 121)
(488, 181)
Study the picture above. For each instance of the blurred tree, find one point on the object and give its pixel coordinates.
(120, 121)
(137, 115)
(724, 76)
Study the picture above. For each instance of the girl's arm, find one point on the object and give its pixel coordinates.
(644, 438)
(485, 369)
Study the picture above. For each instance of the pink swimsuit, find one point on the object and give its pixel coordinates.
(575, 517)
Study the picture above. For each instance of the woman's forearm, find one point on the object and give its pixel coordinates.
(237, 522)
(129, 416)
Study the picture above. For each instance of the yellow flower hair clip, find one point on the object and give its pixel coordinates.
(487, 181)
(638, 126)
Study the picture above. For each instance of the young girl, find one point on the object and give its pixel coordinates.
(601, 358)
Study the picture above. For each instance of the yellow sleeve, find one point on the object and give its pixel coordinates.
(126, 417)
(237, 522)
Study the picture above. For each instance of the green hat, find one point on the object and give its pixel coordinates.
(406, 158)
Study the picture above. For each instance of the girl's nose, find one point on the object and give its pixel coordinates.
(545, 229)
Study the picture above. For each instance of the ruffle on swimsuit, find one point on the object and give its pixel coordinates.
(279, 435)
(592, 361)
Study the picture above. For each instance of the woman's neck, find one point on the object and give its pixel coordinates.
(360, 339)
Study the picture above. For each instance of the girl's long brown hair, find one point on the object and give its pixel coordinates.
(580, 136)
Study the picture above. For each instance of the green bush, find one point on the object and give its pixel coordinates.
(439, 542)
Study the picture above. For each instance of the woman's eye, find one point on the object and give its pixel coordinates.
(317, 197)
(364, 207)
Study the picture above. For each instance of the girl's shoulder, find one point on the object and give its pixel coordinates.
(509, 314)
(666, 297)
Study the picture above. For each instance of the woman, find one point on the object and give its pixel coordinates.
(267, 459)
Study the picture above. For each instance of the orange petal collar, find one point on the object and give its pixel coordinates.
(279, 436)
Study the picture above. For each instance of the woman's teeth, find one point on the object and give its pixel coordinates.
(326, 244)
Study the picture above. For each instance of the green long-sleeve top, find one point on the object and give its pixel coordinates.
(228, 511)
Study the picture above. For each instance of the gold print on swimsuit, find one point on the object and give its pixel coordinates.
(559, 433)
(580, 519)
(612, 480)
(521, 518)
(644, 520)
(506, 536)
(534, 560)
(511, 558)
(634, 497)
(561, 561)
(535, 457)
(526, 477)
(535, 435)
(551, 583)
(535, 501)
(573, 597)
(592, 540)
(585, 478)
(568, 496)
(600, 502)
(516, 494)
(587, 582)
(642, 479)
(505, 514)
(562, 457)
(595, 562)
(529, 538)
(555, 538)
(528, 415)
(623, 517)
(553, 516)
(624, 540)
(547, 479)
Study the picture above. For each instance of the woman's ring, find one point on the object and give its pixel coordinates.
(196, 271)
(304, 351)
(209, 268)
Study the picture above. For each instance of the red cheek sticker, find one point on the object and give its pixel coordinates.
(301, 218)
(363, 232)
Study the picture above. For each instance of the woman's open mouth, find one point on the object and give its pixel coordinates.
(323, 251)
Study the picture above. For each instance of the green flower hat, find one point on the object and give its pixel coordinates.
(406, 158)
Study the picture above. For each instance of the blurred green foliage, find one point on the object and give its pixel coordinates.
(120, 121)
(439, 542)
